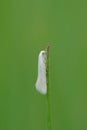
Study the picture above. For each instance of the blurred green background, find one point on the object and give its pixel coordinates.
(26, 27)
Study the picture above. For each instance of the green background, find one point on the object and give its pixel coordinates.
(26, 27)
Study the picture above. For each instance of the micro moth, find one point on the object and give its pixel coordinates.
(41, 83)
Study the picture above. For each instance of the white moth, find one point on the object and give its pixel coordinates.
(41, 83)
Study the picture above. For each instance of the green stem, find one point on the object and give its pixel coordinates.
(48, 91)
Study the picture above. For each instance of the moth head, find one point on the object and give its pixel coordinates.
(43, 55)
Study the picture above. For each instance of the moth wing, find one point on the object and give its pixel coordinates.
(41, 84)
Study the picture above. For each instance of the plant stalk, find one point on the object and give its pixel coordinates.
(48, 91)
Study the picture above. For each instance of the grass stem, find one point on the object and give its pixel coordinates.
(48, 91)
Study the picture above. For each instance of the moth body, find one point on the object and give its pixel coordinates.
(41, 84)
